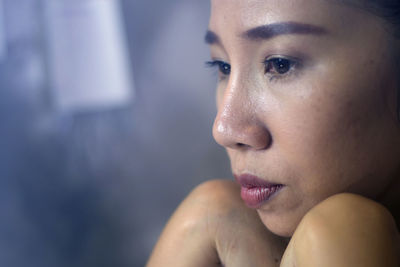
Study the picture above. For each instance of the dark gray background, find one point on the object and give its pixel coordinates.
(95, 189)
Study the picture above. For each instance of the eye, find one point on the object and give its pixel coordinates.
(223, 67)
(279, 66)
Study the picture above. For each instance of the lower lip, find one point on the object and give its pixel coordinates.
(255, 197)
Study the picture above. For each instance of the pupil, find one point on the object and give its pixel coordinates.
(225, 68)
(282, 65)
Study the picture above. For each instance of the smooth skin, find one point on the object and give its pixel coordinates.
(322, 125)
(212, 227)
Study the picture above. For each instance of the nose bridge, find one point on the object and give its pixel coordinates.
(237, 124)
(235, 108)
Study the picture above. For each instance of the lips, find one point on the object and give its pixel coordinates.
(255, 191)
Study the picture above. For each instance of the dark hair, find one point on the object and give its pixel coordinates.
(387, 9)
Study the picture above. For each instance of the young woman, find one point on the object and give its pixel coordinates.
(308, 111)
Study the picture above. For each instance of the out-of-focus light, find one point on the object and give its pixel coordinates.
(87, 54)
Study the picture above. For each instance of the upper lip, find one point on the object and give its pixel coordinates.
(251, 181)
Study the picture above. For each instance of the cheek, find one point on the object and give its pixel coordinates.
(333, 138)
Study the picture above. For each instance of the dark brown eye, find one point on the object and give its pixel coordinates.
(223, 67)
(278, 65)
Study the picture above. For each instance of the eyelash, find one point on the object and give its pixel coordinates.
(222, 68)
(271, 65)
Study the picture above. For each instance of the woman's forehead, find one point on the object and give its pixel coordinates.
(233, 18)
(243, 15)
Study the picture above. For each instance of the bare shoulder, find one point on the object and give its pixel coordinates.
(216, 196)
(241, 239)
(347, 230)
(213, 227)
(188, 239)
(207, 200)
(352, 203)
(351, 212)
(218, 188)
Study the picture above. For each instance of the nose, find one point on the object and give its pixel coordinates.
(238, 124)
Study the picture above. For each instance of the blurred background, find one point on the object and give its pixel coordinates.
(106, 111)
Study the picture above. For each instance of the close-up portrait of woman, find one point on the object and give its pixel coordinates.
(187, 133)
(308, 111)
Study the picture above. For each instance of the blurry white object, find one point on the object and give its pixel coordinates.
(88, 58)
(3, 46)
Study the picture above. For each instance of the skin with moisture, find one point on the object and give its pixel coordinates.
(307, 99)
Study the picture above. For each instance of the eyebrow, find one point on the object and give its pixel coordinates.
(211, 38)
(269, 31)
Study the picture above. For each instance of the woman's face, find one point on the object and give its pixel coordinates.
(306, 99)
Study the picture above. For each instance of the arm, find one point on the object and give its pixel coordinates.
(212, 227)
(345, 230)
